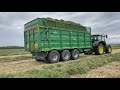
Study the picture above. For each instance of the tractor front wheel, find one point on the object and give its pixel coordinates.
(108, 49)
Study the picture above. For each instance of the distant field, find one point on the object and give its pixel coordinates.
(11, 47)
(9, 52)
(8, 55)
(116, 46)
(15, 58)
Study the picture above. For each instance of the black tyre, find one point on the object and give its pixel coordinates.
(37, 59)
(65, 55)
(88, 53)
(53, 57)
(108, 49)
(74, 54)
(99, 49)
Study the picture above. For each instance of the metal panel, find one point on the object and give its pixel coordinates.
(37, 38)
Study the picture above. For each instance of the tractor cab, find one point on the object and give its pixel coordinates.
(98, 38)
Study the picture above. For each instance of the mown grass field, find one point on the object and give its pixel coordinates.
(8, 55)
(9, 52)
(110, 70)
(57, 70)
(65, 69)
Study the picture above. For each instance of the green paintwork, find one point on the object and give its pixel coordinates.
(55, 35)
(40, 55)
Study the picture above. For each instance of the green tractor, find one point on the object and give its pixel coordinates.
(99, 45)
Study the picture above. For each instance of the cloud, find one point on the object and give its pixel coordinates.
(12, 24)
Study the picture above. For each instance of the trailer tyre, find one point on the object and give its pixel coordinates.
(53, 57)
(65, 55)
(37, 59)
(74, 54)
(89, 53)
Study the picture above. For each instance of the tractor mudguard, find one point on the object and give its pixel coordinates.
(96, 43)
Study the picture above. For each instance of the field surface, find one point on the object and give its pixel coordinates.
(17, 63)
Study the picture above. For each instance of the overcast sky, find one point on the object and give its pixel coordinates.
(12, 24)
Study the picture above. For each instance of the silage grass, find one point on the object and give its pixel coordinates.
(17, 58)
(65, 69)
(9, 52)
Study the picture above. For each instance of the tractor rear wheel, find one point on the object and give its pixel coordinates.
(99, 49)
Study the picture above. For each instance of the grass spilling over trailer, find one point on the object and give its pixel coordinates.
(65, 69)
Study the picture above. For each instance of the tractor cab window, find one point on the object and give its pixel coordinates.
(103, 38)
(97, 38)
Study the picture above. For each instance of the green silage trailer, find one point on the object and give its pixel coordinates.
(54, 40)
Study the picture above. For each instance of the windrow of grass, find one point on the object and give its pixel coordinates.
(9, 52)
(65, 69)
(18, 58)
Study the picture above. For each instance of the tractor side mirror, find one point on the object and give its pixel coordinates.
(106, 36)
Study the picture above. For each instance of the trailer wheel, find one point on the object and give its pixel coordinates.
(65, 55)
(37, 59)
(99, 49)
(89, 52)
(108, 49)
(74, 54)
(53, 57)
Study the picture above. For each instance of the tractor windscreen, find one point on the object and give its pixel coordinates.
(97, 38)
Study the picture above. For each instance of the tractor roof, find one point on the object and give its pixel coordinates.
(98, 35)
